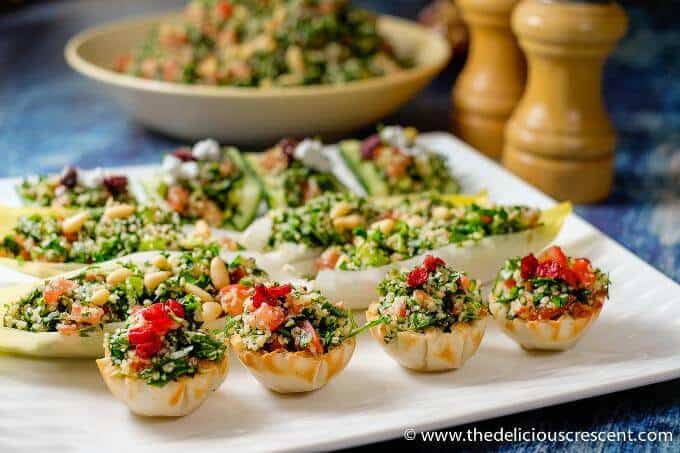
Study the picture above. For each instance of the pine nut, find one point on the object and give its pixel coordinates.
(153, 279)
(198, 292)
(348, 222)
(415, 221)
(385, 226)
(210, 311)
(440, 213)
(119, 211)
(340, 209)
(74, 223)
(118, 276)
(218, 273)
(161, 262)
(100, 297)
(202, 229)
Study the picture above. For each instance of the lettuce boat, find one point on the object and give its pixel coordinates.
(293, 172)
(393, 162)
(207, 183)
(480, 258)
(45, 242)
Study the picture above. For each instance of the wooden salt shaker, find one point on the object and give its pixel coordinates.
(560, 138)
(492, 80)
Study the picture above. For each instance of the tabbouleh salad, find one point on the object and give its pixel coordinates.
(264, 43)
(548, 287)
(433, 295)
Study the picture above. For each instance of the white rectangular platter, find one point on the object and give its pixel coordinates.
(64, 405)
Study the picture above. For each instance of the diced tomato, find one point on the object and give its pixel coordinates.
(57, 288)
(510, 283)
(486, 219)
(399, 309)
(231, 298)
(177, 198)
(583, 271)
(314, 346)
(464, 282)
(123, 62)
(141, 334)
(554, 254)
(154, 312)
(417, 277)
(432, 262)
(67, 329)
(554, 269)
(159, 319)
(86, 314)
(268, 317)
(528, 266)
(223, 10)
(276, 292)
(175, 307)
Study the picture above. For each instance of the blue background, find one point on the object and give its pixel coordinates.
(49, 117)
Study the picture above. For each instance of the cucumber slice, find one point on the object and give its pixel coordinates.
(249, 193)
(364, 170)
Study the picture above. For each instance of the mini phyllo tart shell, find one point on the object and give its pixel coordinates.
(294, 372)
(431, 318)
(175, 399)
(432, 350)
(549, 302)
(292, 339)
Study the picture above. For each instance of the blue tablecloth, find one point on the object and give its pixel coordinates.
(50, 117)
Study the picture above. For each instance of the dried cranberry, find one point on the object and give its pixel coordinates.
(69, 177)
(417, 277)
(148, 350)
(141, 334)
(432, 262)
(276, 292)
(528, 266)
(175, 307)
(288, 146)
(369, 145)
(183, 154)
(260, 296)
(116, 184)
(236, 275)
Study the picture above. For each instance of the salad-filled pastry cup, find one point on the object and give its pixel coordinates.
(548, 301)
(292, 339)
(162, 363)
(210, 183)
(76, 188)
(428, 318)
(45, 241)
(394, 162)
(475, 237)
(293, 172)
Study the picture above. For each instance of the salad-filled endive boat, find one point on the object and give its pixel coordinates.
(210, 183)
(76, 188)
(429, 318)
(471, 237)
(292, 339)
(162, 363)
(293, 172)
(549, 301)
(393, 162)
(49, 241)
(65, 316)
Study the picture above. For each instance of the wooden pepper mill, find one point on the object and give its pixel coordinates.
(492, 80)
(560, 138)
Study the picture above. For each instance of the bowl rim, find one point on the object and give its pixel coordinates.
(101, 74)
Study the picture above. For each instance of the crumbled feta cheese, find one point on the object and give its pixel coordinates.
(171, 165)
(91, 179)
(207, 149)
(188, 170)
(311, 153)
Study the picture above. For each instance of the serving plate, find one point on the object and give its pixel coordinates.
(254, 115)
(64, 406)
